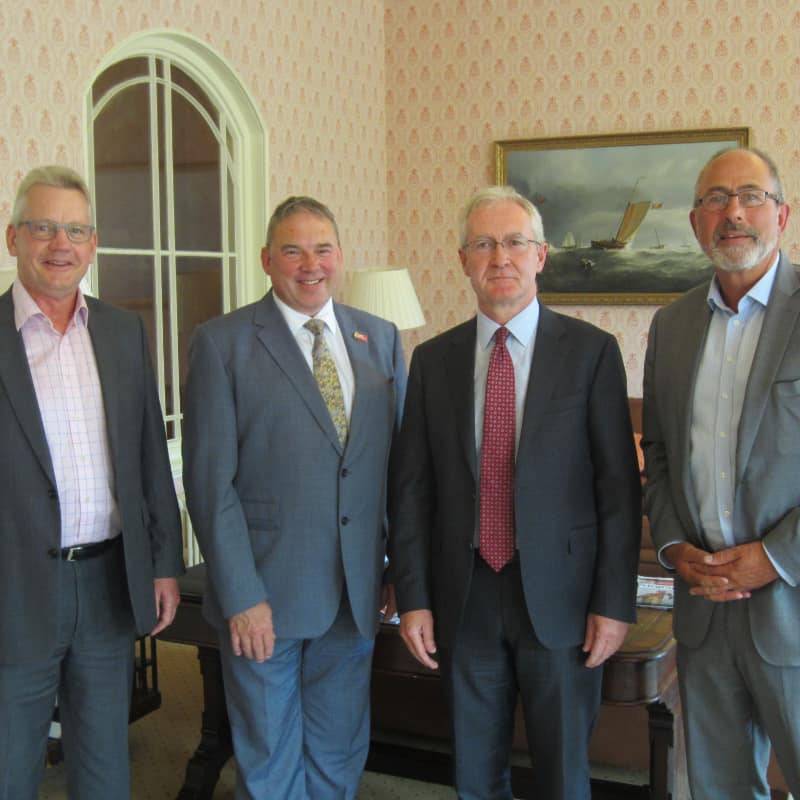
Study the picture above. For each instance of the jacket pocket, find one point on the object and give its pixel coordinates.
(261, 515)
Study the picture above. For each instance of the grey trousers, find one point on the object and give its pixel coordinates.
(734, 704)
(90, 669)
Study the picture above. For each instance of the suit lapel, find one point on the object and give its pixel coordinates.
(358, 351)
(106, 346)
(15, 375)
(547, 360)
(276, 337)
(780, 316)
(459, 371)
(687, 349)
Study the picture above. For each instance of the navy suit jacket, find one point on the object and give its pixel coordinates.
(30, 521)
(282, 512)
(577, 492)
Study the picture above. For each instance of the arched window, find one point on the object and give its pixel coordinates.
(177, 163)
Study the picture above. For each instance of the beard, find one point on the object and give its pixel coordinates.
(743, 256)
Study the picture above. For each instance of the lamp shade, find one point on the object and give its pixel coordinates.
(387, 293)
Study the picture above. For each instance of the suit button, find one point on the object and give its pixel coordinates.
(345, 520)
(52, 493)
(53, 552)
(345, 472)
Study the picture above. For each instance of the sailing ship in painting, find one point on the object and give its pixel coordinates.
(613, 265)
(632, 219)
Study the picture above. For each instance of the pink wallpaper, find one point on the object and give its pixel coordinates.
(464, 73)
(315, 69)
(388, 109)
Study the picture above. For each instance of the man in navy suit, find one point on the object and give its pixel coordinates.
(721, 434)
(90, 535)
(287, 437)
(539, 623)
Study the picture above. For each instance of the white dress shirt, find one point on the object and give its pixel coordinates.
(333, 339)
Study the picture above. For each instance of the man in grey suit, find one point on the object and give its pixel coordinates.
(90, 537)
(721, 432)
(287, 437)
(540, 620)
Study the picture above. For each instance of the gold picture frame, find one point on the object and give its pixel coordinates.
(616, 211)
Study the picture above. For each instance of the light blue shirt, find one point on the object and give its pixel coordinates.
(520, 344)
(717, 403)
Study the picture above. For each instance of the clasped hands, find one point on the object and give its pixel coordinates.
(729, 574)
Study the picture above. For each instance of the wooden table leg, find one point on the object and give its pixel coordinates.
(215, 748)
(661, 724)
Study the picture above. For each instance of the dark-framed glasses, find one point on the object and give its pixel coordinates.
(516, 245)
(748, 198)
(46, 229)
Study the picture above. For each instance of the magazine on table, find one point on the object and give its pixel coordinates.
(654, 592)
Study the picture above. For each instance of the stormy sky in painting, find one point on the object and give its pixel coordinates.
(584, 191)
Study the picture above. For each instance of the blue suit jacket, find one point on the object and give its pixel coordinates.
(577, 494)
(281, 511)
(30, 522)
(767, 490)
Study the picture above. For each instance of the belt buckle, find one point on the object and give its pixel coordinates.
(71, 553)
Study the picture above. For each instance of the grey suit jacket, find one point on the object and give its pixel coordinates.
(767, 491)
(30, 521)
(281, 512)
(577, 489)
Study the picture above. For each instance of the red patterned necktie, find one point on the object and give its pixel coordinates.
(497, 458)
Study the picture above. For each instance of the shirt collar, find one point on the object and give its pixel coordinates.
(759, 292)
(296, 319)
(26, 307)
(522, 327)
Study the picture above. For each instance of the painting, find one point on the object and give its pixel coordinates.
(616, 211)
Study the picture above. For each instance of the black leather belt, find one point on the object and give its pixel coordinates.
(82, 551)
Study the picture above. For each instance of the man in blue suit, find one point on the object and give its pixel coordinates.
(287, 438)
(90, 536)
(721, 433)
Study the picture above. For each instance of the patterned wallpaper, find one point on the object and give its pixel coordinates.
(388, 109)
(464, 73)
(315, 69)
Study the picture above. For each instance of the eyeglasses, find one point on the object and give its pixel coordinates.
(748, 198)
(44, 230)
(515, 245)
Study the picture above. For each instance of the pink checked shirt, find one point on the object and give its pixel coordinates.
(68, 391)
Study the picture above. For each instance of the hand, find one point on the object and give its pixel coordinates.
(733, 573)
(388, 602)
(604, 636)
(168, 598)
(416, 628)
(691, 563)
(252, 635)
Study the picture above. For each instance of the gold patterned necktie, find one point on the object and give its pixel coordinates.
(328, 379)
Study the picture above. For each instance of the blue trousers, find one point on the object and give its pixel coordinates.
(300, 721)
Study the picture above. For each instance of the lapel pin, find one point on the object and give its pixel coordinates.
(361, 337)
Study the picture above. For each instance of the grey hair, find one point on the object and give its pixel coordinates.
(297, 205)
(491, 195)
(55, 175)
(770, 164)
